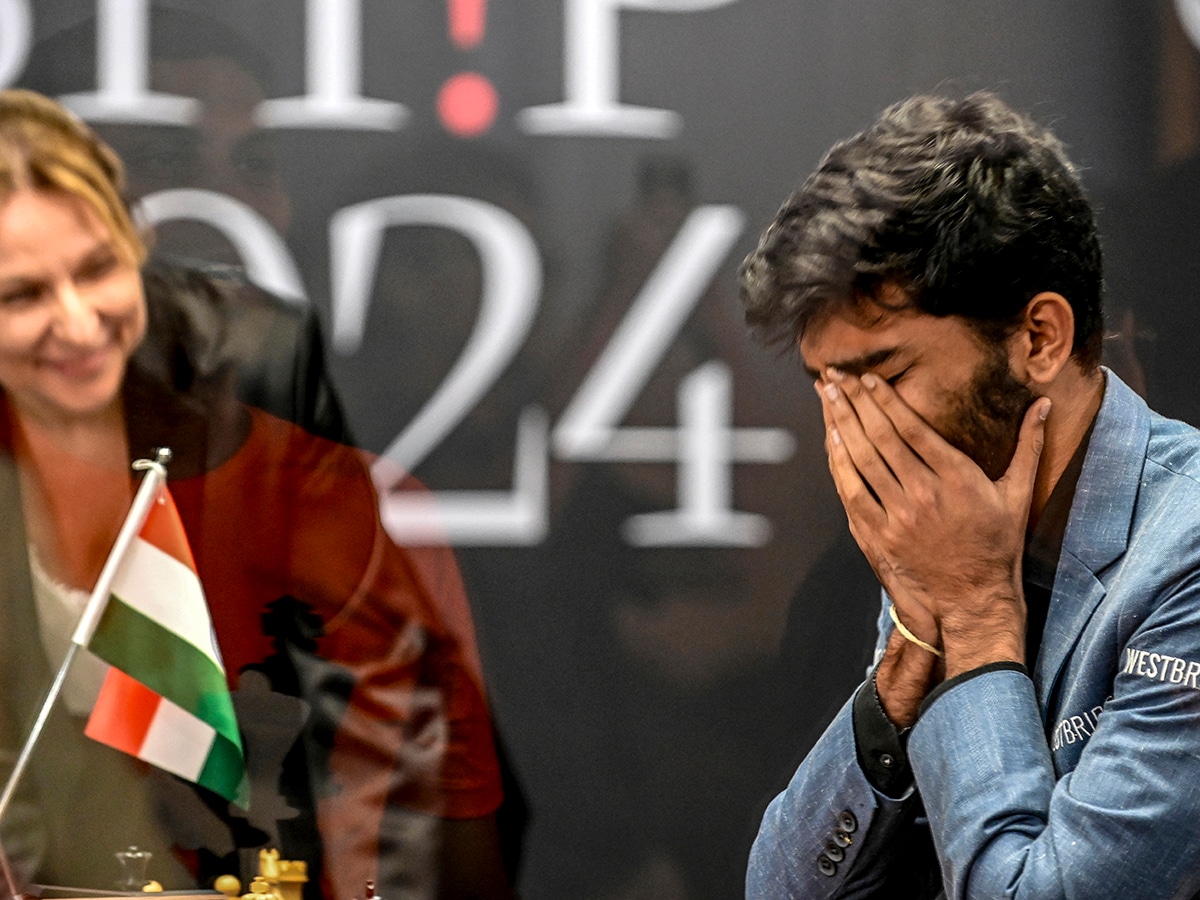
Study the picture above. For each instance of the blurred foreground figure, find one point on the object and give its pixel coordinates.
(357, 683)
(1031, 727)
(195, 284)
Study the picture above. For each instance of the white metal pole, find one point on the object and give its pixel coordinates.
(147, 495)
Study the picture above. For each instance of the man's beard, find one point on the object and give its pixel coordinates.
(985, 421)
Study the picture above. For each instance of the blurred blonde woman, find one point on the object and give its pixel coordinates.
(357, 682)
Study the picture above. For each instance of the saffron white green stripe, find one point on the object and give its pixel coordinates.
(166, 700)
(135, 720)
(177, 741)
(168, 665)
(166, 590)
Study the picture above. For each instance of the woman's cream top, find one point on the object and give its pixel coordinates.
(58, 610)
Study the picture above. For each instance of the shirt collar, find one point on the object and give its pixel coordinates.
(1043, 545)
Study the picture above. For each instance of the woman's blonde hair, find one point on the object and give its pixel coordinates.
(46, 147)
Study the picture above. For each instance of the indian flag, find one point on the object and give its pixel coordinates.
(166, 700)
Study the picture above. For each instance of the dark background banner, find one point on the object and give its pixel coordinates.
(520, 223)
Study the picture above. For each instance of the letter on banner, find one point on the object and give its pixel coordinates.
(705, 444)
(512, 283)
(591, 75)
(262, 251)
(16, 35)
(122, 72)
(333, 77)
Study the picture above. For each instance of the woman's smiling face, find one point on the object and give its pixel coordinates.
(72, 309)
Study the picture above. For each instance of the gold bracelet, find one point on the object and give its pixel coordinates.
(909, 636)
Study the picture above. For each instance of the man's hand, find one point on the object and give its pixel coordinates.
(905, 675)
(944, 539)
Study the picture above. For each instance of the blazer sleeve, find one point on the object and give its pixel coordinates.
(1122, 824)
(831, 834)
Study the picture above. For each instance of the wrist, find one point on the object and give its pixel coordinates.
(982, 646)
(909, 635)
(961, 663)
(903, 678)
(992, 631)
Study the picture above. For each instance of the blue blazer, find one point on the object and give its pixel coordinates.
(1081, 782)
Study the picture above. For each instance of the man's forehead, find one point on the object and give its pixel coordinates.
(855, 364)
(858, 334)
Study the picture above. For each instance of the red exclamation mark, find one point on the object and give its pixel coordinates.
(467, 103)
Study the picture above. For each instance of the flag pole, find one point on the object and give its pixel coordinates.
(147, 495)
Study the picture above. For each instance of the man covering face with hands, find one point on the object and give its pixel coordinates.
(1032, 726)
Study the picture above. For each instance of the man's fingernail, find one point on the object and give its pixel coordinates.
(1045, 410)
(834, 437)
(870, 381)
(831, 391)
(836, 374)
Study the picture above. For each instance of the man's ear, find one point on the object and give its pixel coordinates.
(1043, 342)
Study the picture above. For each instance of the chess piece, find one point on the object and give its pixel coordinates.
(259, 890)
(133, 864)
(285, 876)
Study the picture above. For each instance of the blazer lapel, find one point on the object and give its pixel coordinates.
(1098, 528)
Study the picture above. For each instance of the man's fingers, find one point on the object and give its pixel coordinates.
(862, 506)
(846, 477)
(1022, 471)
(862, 447)
(925, 442)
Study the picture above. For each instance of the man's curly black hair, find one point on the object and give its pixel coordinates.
(967, 206)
